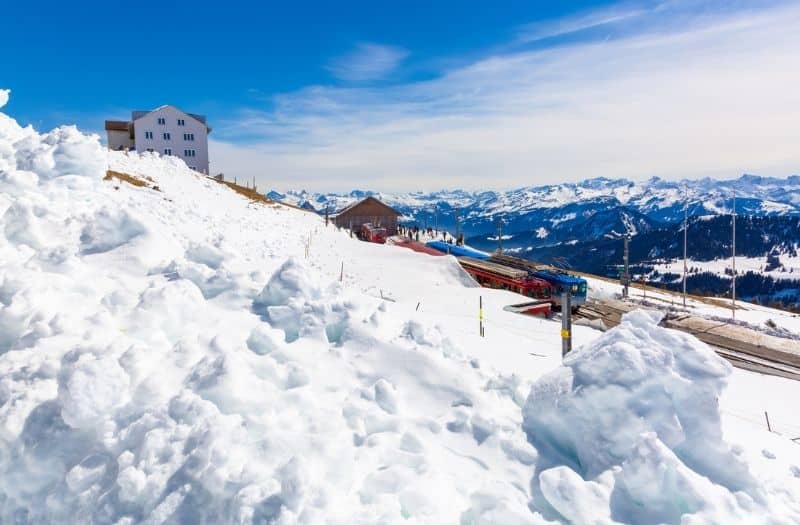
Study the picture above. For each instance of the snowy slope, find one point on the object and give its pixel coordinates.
(182, 354)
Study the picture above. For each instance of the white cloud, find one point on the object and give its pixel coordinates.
(367, 62)
(716, 97)
(573, 24)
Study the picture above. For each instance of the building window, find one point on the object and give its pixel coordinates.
(166, 136)
(188, 153)
(188, 136)
(181, 122)
(167, 151)
(148, 134)
(150, 150)
(162, 121)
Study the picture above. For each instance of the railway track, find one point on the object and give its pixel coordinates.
(743, 347)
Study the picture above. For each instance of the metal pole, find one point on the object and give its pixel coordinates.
(626, 276)
(733, 292)
(480, 315)
(566, 322)
(499, 236)
(458, 225)
(685, 236)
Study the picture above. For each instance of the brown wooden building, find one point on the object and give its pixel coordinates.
(369, 210)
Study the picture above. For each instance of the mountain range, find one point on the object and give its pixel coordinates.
(574, 212)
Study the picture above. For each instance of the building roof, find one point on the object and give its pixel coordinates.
(136, 115)
(118, 125)
(348, 209)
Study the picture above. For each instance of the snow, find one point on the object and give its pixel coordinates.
(634, 416)
(564, 218)
(502, 238)
(790, 268)
(182, 354)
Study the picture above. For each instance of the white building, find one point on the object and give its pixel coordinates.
(166, 130)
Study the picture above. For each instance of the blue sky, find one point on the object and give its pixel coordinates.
(424, 95)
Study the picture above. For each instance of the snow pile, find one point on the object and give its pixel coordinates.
(166, 356)
(629, 430)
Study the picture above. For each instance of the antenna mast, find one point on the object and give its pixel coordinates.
(733, 292)
(685, 235)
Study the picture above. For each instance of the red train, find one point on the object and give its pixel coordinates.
(493, 275)
(368, 232)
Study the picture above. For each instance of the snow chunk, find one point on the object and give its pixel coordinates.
(297, 303)
(293, 280)
(109, 229)
(641, 398)
(90, 389)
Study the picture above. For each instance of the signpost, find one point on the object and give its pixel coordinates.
(480, 315)
(566, 322)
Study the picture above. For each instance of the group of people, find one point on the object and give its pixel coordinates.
(412, 232)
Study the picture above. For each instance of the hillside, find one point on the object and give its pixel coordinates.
(174, 352)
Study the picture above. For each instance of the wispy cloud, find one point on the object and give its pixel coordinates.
(367, 62)
(695, 94)
(576, 23)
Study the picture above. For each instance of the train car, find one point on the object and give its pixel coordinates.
(458, 251)
(493, 275)
(368, 232)
(559, 279)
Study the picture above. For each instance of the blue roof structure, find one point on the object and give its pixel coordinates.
(458, 251)
(564, 278)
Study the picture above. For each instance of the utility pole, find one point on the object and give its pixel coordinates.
(566, 322)
(685, 236)
(499, 236)
(626, 276)
(733, 292)
(458, 222)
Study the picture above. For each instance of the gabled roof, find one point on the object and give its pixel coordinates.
(388, 208)
(136, 115)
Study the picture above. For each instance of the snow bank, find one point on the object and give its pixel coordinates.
(629, 430)
(170, 356)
